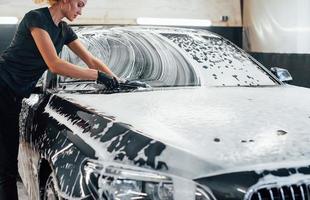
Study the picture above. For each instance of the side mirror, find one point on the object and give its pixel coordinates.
(39, 86)
(282, 74)
(47, 81)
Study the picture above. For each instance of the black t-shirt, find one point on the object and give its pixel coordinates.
(22, 65)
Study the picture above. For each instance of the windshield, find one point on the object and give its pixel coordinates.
(170, 57)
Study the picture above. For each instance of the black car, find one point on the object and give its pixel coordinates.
(205, 122)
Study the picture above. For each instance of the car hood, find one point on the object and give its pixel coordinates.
(211, 130)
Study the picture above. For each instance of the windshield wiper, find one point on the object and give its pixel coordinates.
(134, 84)
(127, 86)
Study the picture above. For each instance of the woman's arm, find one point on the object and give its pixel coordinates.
(92, 62)
(54, 63)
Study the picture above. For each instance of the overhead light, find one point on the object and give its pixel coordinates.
(173, 22)
(8, 20)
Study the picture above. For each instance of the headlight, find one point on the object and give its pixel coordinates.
(119, 183)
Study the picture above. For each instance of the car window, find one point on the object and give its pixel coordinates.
(164, 59)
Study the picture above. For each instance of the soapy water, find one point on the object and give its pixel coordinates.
(171, 58)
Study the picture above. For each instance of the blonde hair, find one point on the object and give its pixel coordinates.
(50, 2)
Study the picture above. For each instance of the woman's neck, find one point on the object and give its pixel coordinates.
(56, 13)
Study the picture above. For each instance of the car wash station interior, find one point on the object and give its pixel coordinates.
(210, 99)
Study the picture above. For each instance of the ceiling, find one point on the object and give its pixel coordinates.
(126, 12)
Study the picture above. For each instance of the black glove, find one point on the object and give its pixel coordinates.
(111, 83)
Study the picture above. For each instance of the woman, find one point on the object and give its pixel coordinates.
(40, 37)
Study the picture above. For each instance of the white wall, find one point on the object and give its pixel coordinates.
(277, 26)
(126, 11)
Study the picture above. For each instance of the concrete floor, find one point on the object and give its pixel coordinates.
(22, 193)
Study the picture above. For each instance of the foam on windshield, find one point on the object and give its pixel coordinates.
(171, 57)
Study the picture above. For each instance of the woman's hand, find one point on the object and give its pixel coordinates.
(111, 82)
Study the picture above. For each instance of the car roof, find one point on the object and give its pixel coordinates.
(158, 29)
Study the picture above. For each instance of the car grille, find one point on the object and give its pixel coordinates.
(288, 192)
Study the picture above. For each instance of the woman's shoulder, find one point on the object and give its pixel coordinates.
(40, 12)
(34, 18)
